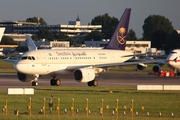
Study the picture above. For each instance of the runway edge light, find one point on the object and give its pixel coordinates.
(107, 107)
(124, 107)
(16, 112)
(142, 108)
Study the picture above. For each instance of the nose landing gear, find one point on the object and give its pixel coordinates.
(35, 83)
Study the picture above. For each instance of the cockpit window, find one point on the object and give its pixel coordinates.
(28, 57)
(173, 52)
(24, 58)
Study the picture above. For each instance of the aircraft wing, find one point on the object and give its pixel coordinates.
(138, 54)
(129, 63)
(116, 64)
(10, 60)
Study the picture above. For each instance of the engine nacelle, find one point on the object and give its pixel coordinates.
(25, 78)
(84, 75)
(141, 66)
(156, 68)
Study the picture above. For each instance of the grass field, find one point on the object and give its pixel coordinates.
(166, 102)
(6, 67)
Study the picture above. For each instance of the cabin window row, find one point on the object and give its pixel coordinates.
(83, 57)
(102, 57)
(62, 58)
(57, 58)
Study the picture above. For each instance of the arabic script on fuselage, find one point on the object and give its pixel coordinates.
(79, 53)
(63, 53)
(71, 53)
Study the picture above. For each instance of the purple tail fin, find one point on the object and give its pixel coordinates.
(118, 40)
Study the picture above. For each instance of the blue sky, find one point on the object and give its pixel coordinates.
(88, 9)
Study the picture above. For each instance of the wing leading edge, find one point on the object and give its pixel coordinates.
(70, 68)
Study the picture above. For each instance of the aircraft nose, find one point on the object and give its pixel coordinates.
(19, 67)
(16, 66)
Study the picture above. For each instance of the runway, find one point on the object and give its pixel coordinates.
(10, 80)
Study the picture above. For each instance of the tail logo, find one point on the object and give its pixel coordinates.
(121, 37)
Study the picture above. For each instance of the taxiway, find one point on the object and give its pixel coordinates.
(10, 80)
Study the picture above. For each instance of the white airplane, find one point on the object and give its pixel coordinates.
(84, 65)
(172, 61)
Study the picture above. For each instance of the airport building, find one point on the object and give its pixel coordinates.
(48, 44)
(134, 46)
(18, 30)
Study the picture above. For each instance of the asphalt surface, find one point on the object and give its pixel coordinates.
(10, 80)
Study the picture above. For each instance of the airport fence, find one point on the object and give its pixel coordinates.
(56, 107)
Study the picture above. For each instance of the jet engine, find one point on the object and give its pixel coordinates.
(157, 68)
(25, 78)
(84, 75)
(141, 66)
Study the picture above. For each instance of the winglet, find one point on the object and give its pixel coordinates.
(31, 45)
(2, 29)
(119, 37)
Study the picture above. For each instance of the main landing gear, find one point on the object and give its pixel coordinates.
(55, 81)
(93, 83)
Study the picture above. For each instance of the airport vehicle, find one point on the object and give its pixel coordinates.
(84, 65)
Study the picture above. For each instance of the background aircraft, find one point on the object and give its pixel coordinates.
(173, 61)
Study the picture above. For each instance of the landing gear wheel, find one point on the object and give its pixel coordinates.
(53, 82)
(90, 83)
(95, 83)
(58, 82)
(34, 83)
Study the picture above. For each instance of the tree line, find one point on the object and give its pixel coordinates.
(156, 28)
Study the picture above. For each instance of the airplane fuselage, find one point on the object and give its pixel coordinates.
(56, 62)
(173, 59)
